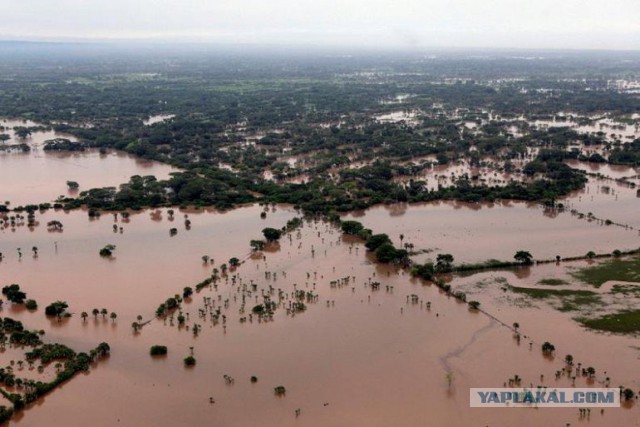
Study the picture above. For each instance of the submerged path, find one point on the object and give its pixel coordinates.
(444, 360)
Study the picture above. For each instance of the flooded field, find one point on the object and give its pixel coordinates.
(352, 342)
(359, 353)
(40, 176)
(613, 196)
(158, 119)
(475, 233)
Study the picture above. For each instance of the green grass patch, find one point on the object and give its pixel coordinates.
(553, 282)
(625, 270)
(577, 302)
(624, 322)
(564, 299)
(549, 293)
(625, 289)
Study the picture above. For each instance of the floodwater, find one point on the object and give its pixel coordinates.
(608, 197)
(356, 356)
(477, 232)
(41, 176)
(410, 117)
(158, 119)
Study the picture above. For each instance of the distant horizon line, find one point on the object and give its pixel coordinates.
(201, 42)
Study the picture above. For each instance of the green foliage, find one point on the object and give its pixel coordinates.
(5, 413)
(351, 227)
(14, 294)
(257, 245)
(49, 352)
(424, 271)
(271, 234)
(548, 348)
(628, 394)
(539, 293)
(10, 325)
(24, 337)
(444, 263)
(523, 257)
(189, 361)
(377, 240)
(63, 144)
(619, 269)
(107, 251)
(387, 253)
(158, 350)
(552, 282)
(624, 322)
(57, 308)
(474, 305)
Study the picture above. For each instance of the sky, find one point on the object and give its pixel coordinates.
(577, 24)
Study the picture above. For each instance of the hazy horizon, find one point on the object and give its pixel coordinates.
(545, 24)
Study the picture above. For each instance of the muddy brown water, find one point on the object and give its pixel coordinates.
(41, 176)
(365, 358)
(356, 357)
(475, 233)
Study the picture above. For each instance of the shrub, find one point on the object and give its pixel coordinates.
(474, 305)
(56, 308)
(377, 240)
(351, 227)
(158, 350)
(107, 251)
(548, 348)
(271, 234)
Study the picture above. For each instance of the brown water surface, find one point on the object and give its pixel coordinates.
(356, 356)
(41, 176)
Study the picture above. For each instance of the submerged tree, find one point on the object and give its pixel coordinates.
(548, 348)
(271, 234)
(107, 250)
(57, 308)
(523, 257)
(444, 263)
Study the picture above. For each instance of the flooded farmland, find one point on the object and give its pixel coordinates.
(360, 338)
(40, 176)
(323, 240)
(475, 233)
(355, 343)
(371, 341)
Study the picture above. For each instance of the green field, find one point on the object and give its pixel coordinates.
(548, 293)
(626, 270)
(622, 322)
(553, 282)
